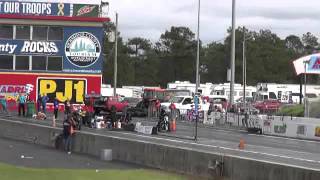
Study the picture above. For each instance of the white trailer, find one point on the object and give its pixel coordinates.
(204, 89)
(286, 93)
(224, 90)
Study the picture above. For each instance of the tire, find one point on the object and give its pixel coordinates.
(178, 115)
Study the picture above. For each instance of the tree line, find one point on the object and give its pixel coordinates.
(173, 57)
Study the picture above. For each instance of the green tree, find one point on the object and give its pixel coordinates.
(139, 46)
(139, 50)
(176, 50)
(294, 44)
(214, 57)
(125, 67)
(310, 42)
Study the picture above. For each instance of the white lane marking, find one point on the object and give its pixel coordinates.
(210, 127)
(291, 139)
(258, 135)
(225, 148)
(190, 143)
(263, 147)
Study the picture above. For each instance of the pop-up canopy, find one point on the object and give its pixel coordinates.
(308, 64)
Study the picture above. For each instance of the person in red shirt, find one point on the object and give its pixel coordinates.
(158, 105)
(173, 111)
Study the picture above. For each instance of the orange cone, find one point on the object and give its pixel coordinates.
(241, 144)
(173, 126)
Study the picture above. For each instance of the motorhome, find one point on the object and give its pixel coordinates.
(204, 89)
(224, 91)
(285, 93)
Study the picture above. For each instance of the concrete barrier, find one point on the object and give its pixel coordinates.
(166, 157)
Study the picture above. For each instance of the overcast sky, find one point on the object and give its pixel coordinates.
(150, 18)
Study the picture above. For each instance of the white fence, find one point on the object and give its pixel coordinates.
(296, 127)
(286, 126)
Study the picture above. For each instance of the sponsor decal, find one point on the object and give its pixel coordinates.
(280, 129)
(85, 10)
(29, 88)
(314, 63)
(11, 93)
(63, 89)
(39, 47)
(35, 8)
(82, 49)
(16, 89)
(317, 131)
(29, 47)
(25, 8)
(8, 48)
(301, 130)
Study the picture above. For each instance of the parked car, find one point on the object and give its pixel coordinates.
(102, 103)
(140, 110)
(132, 102)
(267, 106)
(218, 101)
(247, 108)
(248, 100)
(184, 103)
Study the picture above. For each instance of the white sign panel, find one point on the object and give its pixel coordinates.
(312, 63)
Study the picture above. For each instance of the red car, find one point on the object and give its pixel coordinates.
(268, 106)
(101, 103)
(114, 101)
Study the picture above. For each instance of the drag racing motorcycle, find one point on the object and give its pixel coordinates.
(163, 123)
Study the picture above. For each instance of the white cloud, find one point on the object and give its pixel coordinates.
(150, 18)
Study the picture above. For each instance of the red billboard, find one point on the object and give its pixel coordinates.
(63, 86)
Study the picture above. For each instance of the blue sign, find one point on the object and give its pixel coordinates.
(196, 104)
(314, 64)
(29, 47)
(83, 49)
(35, 8)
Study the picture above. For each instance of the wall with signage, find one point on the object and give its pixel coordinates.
(63, 87)
(308, 64)
(49, 9)
(295, 127)
(83, 50)
(95, 2)
(60, 61)
(80, 49)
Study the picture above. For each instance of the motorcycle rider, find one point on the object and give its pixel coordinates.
(163, 120)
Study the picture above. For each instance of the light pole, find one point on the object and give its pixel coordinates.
(104, 8)
(306, 62)
(244, 67)
(104, 11)
(197, 71)
(115, 73)
(232, 64)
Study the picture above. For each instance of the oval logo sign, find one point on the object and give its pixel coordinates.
(82, 49)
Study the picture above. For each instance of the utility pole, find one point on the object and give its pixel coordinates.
(305, 98)
(115, 73)
(244, 68)
(232, 64)
(197, 72)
